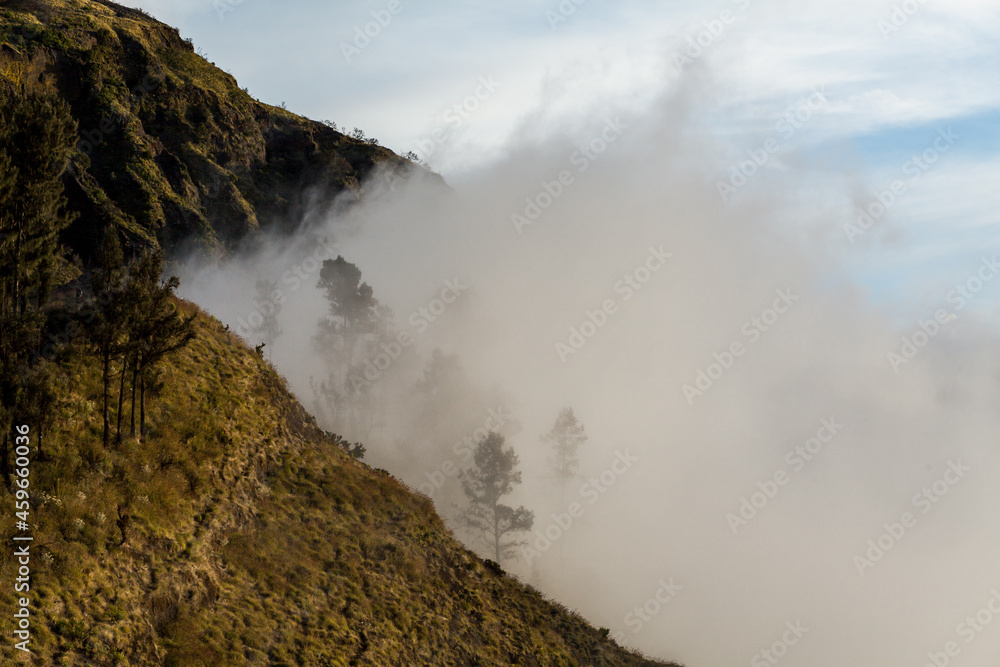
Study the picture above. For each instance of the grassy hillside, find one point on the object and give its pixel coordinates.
(171, 149)
(240, 534)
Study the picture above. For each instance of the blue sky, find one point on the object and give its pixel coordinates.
(889, 91)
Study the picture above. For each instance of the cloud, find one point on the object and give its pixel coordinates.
(700, 454)
(612, 184)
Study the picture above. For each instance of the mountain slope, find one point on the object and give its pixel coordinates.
(241, 534)
(238, 532)
(171, 149)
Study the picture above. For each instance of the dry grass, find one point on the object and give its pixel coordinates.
(254, 540)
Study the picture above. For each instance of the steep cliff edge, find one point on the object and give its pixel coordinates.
(171, 149)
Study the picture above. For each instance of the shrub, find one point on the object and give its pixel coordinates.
(493, 567)
(113, 614)
(72, 630)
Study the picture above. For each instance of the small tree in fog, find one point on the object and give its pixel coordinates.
(494, 476)
(439, 394)
(267, 300)
(565, 439)
(348, 339)
(353, 309)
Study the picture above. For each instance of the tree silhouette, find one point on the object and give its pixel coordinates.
(269, 329)
(37, 136)
(353, 309)
(158, 329)
(565, 438)
(106, 327)
(492, 477)
(443, 391)
(348, 338)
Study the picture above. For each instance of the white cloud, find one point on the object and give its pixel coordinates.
(764, 59)
(556, 86)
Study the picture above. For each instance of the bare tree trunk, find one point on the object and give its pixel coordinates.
(17, 272)
(135, 381)
(142, 408)
(496, 533)
(107, 393)
(121, 401)
(562, 499)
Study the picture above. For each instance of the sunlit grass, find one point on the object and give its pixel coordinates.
(252, 537)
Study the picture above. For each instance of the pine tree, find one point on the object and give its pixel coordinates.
(494, 476)
(443, 391)
(39, 401)
(107, 325)
(158, 329)
(37, 135)
(270, 307)
(19, 337)
(353, 309)
(565, 438)
(36, 138)
(348, 339)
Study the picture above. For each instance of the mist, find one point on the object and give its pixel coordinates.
(776, 461)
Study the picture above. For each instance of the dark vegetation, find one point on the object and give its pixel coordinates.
(171, 151)
(493, 476)
(348, 337)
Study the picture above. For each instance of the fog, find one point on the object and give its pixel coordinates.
(700, 342)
